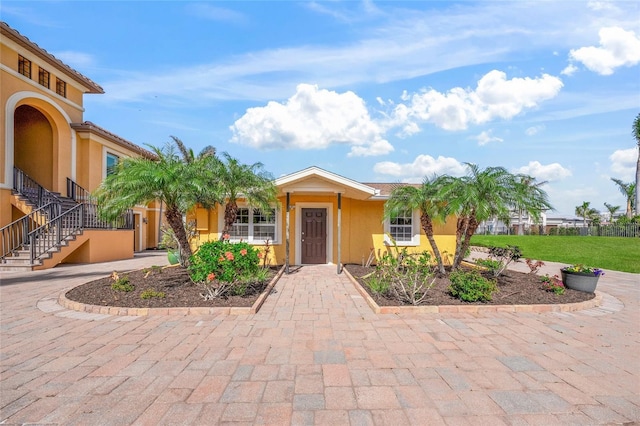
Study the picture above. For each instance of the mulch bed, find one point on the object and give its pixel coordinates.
(179, 291)
(514, 288)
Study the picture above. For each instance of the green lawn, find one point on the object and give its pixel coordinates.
(615, 253)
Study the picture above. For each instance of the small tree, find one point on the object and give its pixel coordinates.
(628, 190)
(178, 182)
(585, 212)
(612, 210)
(423, 198)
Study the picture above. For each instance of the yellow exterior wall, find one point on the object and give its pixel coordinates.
(362, 230)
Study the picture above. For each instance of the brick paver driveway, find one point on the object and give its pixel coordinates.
(314, 354)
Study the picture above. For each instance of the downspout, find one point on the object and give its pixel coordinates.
(286, 249)
(339, 231)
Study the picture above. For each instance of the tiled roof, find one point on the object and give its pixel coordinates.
(386, 188)
(14, 35)
(91, 127)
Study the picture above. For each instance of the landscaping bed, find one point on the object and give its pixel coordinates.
(173, 282)
(514, 288)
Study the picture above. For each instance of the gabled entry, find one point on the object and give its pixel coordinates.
(313, 236)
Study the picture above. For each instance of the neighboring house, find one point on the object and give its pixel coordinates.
(51, 159)
(331, 219)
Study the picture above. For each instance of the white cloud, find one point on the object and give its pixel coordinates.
(215, 13)
(422, 166)
(569, 70)
(312, 119)
(617, 48)
(550, 172)
(75, 59)
(485, 137)
(623, 163)
(534, 130)
(495, 97)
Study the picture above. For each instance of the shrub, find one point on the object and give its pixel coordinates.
(228, 261)
(534, 266)
(149, 294)
(492, 265)
(121, 283)
(377, 285)
(408, 277)
(470, 286)
(553, 284)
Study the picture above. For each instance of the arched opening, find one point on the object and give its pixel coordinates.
(33, 145)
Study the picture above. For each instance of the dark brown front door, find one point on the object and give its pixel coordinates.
(314, 236)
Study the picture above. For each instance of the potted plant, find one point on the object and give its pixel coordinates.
(581, 277)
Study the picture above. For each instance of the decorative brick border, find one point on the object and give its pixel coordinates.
(114, 310)
(472, 309)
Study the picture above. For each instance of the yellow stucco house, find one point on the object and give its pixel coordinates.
(50, 160)
(322, 217)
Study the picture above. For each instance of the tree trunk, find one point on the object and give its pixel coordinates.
(472, 225)
(461, 231)
(174, 219)
(638, 182)
(520, 227)
(230, 215)
(427, 226)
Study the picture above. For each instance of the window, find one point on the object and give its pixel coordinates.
(403, 229)
(112, 163)
(61, 88)
(24, 66)
(43, 77)
(254, 225)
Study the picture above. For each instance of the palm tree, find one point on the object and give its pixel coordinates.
(527, 193)
(178, 183)
(250, 182)
(425, 199)
(636, 135)
(584, 211)
(628, 190)
(612, 210)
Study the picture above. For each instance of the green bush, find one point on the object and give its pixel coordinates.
(470, 286)
(377, 285)
(228, 262)
(494, 266)
(149, 294)
(122, 284)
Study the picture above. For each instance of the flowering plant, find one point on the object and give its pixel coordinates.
(553, 284)
(582, 269)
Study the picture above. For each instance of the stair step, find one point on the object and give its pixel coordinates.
(17, 268)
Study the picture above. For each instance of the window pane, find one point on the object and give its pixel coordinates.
(112, 163)
(401, 228)
(264, 232)
(259, 217)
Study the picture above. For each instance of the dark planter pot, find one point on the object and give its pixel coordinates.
(580, 281)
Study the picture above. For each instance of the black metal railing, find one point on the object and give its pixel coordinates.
(93, 221)
(78, 193)
(49, 236)
(14, 235)
(32, 190)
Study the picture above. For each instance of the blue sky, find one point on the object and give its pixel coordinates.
(374, 91)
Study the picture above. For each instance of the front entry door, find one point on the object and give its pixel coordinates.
(314, 236)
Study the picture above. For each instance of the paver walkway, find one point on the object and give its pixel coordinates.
(314, 354)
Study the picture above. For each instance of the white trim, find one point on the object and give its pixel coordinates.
(250, 240)
(325, 175)
(9, 149)
(298, 233)
(415, 230)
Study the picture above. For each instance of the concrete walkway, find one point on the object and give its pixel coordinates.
(314, 354)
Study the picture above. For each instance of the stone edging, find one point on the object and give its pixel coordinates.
(114, 310)
(472, 309)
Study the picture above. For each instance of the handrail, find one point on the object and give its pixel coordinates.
(50, 235)
(32, 190)
(78, 193)
(15, 234)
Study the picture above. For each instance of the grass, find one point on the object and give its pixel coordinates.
(614, 253)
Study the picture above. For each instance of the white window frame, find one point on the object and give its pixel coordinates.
(415, 232)
(250, 238)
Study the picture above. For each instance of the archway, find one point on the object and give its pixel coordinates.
(33, 145)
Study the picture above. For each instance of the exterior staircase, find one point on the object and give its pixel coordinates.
(51, 223)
